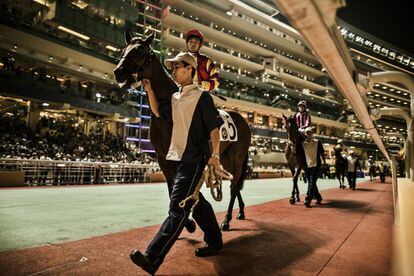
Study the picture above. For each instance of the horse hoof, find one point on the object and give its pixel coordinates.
(292, 200)
(240, 216)
(225, 226)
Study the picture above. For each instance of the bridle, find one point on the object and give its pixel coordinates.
(138, 73)
(292, 140)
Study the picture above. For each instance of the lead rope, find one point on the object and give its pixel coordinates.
(213, 180)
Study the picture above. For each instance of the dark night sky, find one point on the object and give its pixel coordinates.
(392, 21)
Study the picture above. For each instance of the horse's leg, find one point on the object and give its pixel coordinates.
(241, 215)
(318, 195)
(339, 176)
(239, 186)
(227, 162)
(225, 225)
(293, 171)
(296, 187)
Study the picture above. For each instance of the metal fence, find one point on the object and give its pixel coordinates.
(55, 172)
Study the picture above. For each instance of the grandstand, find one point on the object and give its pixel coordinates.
(59, 100)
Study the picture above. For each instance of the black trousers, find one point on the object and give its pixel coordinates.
(382, 177)
(185, 181)
(312, 176)
(352, 179)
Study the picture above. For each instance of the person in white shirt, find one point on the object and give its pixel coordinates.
(196, 123)
(314, 153)
(353, 164)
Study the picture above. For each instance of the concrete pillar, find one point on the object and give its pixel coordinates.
(33, 115)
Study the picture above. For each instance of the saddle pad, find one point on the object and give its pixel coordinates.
(228, 131)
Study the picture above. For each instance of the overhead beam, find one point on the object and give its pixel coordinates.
(315, 20)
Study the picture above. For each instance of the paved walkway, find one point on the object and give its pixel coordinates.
(350, 234)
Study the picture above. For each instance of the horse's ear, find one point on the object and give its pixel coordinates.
(128, 37)
(149, 39)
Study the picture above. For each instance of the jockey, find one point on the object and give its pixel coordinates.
(339, 145)
(302, 117)
(340, 148)
(207, 72)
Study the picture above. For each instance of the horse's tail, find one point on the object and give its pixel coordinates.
(240, 183)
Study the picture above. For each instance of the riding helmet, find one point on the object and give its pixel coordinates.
(302, 103)
(195, 33)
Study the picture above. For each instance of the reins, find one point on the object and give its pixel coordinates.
(213, 180)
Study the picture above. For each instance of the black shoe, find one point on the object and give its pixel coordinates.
(143, 262)
(319, 200)
(307, 203)
(190, 225)
(208, 250)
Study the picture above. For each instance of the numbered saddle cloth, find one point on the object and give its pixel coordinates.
(228, 131)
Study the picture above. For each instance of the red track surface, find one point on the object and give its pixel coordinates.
(350, 234)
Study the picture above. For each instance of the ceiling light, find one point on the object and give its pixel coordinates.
(42, 2)
(112, 48)
(80, 4)
(72, 32)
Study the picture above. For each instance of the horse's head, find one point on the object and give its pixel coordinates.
(291, 128)
(136, 56)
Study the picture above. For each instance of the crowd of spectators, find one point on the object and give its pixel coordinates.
(58, 139)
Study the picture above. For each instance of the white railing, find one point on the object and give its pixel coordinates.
(56, 172)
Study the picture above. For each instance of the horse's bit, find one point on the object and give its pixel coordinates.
(213, 181)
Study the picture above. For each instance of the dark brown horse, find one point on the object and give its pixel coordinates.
(139, 61)
(295, 155)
